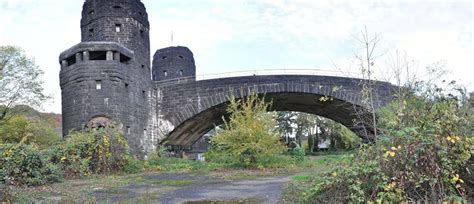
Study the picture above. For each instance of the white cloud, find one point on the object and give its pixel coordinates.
(275, 33)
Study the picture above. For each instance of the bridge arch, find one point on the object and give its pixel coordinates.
(199, 106)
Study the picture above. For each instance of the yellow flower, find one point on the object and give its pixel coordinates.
(392, 154)
(455, 178)
(63, 158)
(394, 149)
(451, 139)
(390, 186)
(399, 147)
(334, 174)
(458, 138)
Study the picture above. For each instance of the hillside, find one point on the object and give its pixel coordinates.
(52, 120)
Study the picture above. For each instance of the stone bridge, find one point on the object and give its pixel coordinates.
(187, 109)
(108, 77)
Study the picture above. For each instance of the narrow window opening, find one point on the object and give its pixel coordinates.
(92, 12)
(140, 13)
(118, 28)
(98, 84)
(98, 55)
(143, 66)
(71, 60)
(154, 76)
(165, 73)
(144, 132)
(181, 57)
(117, 7)
(127, 130)
(180, 72)
(164, 57)
(124, 59)
(91, 32)
(142, 33)
(126, 85)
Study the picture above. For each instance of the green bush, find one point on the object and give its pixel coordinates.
(23, 164)
(93, 151)
(424, 152)
(249, 136)
(297, 153)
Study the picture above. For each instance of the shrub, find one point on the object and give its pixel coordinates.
(249, 136)
(297, 153)
(93, 152)
(23, 164)
(424, 152)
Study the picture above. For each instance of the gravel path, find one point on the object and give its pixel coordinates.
(262, 190)
(196, 189)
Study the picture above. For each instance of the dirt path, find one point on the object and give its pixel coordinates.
(186, 188)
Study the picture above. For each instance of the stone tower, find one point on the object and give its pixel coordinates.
(107, 78)
(173, 63)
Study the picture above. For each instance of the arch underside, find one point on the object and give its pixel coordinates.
(338, 110)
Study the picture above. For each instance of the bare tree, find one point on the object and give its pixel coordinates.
(366, 59)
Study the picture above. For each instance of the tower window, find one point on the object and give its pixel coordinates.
(97, 55)
(165, 73)
(71, 60)
(127, 130)
(181, 57)
(164, 57)
(144, 132)
(117, 7)
(118, 28)
(98, 84)
(180, 72)
(143, 66)
(142, 32)
(140, 13)
(91, 32)
(91, 12)
(126, 85)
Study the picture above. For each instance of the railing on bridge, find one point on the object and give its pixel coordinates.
(266, 72)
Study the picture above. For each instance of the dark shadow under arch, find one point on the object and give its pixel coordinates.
(336, 109)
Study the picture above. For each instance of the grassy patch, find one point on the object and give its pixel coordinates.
(301, 178)
(177, 165)
(312, 168)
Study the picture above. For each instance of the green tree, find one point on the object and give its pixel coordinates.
(285, 122)
(19, 128)
(250, 136)
(20, 82)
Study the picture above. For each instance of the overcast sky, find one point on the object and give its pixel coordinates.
(238, 35)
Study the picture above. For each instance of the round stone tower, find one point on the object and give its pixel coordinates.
(121, 21)
(106, 78)
(174, 63)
